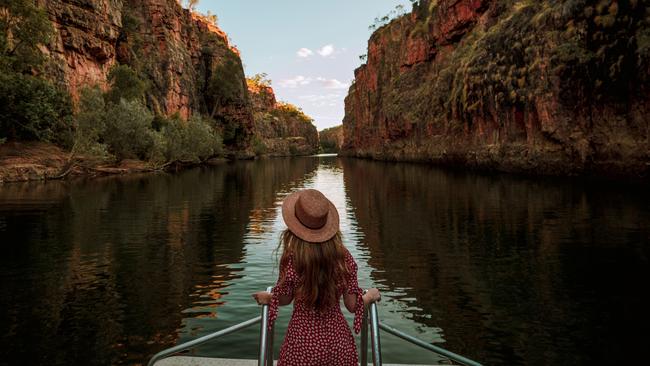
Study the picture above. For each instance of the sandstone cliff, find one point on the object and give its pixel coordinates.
(331, 139)
(176, 51)
(281, 129)
(554, 87)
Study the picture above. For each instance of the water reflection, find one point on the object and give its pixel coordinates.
(100, 272)
(501, 269)
(513, 271)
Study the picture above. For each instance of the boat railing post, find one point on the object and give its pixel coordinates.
(269, 349)
(374, 335)
(264, 334)
(364, 339)
(269, 352)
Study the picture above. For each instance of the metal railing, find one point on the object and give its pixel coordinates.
(266, 339)
(375, 325)
(265, 356)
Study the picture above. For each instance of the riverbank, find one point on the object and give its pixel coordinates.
(36, 161)
(543, 160)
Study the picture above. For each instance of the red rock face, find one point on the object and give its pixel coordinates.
(418, 50)
(282, 133)
(454, 18)
(331, 139)
(406, 104)
(262, 97)
(175, 49)
(83, 47)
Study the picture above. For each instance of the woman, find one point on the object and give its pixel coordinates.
(316, 270)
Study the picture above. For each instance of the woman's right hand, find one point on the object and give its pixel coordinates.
(371, 295)
(262, 297)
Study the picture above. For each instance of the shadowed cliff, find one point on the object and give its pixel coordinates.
(546, 87)
(281, 129)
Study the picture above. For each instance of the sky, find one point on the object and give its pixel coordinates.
(309, 49)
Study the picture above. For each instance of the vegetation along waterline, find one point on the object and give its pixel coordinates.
(91, 90)
(546, 87)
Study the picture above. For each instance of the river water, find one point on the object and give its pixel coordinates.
(501, 269)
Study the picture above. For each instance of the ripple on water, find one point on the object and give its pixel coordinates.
(495, 268)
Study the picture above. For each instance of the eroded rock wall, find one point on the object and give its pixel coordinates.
(331, 139)
(281, 129)
(553, 87)
(83, 48)
(175, 51)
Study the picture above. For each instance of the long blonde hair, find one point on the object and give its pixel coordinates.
(320, 266)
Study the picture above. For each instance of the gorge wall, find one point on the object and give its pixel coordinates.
(552, 87)
(177, 52)
(281, 129)
(331, 139)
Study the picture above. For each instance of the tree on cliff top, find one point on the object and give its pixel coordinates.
(260, 79)
(259, 84)
(212, 18)
(286, 110)
(191, 4)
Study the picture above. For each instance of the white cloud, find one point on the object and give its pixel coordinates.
(300, 80)
(326, 50)
(317, 98)
(332, 83)
(321, 100)
(304, 52)
(295, 82)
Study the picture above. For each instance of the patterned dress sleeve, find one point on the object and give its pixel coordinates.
(353, 288)
(284, 286)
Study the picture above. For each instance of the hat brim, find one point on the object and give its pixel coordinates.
(305, 233)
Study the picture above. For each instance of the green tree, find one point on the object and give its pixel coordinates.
(225, 86)
(125, 84)
(23, 28)
(128, 132)
(259, 147)
(90, 124)
(193, 140)
(30, 108)
(33, 109)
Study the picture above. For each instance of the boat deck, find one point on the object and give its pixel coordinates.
(205, 361)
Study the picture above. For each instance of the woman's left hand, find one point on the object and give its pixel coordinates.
(262, 297)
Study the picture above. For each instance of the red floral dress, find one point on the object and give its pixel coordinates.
(315, 338)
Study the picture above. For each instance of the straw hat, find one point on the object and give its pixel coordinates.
(310, 216)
